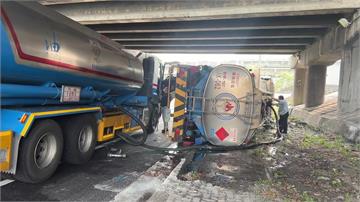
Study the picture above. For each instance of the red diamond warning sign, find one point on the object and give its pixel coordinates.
(222, 133)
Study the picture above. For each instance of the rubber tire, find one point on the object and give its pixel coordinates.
(72, 128)
(27, 171)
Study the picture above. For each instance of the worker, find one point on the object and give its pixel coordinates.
(165, 111)
(167, 96)
(283, 113)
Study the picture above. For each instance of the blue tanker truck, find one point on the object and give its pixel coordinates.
(61, 86)
(65, 89)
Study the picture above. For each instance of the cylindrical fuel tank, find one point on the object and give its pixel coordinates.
(230, 106)
(39, 46)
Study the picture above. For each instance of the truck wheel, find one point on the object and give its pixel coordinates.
(79, 139)
(40, 152)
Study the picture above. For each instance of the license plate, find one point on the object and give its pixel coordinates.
(70, 94)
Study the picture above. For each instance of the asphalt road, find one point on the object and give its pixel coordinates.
(100, 179)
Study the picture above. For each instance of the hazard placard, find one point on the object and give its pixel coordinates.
(222, 133)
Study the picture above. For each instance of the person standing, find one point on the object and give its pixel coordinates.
(165, 111)
(283, 113)
(167, 91)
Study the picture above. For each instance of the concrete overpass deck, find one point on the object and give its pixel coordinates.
(243, 26)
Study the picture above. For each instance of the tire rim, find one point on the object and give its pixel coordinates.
(85, 139)
(45, 150)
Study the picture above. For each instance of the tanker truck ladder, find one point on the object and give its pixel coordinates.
(193, 100)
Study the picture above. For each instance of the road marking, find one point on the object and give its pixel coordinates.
(148, 182)
(5, 182)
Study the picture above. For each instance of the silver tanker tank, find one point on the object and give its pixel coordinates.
(40, 46)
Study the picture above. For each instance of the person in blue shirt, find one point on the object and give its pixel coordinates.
(283, 113)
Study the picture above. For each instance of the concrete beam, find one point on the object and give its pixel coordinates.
(217, 49)
(295, 48)
(228, 34)
(354, 30)
(181, 51)
(326, 51)
(152, 11)
(230, 42)
(290, 22)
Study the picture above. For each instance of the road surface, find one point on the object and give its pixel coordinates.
(100, 179)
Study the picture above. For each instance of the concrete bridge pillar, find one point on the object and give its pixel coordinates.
(315, 58)
(349, 85)
(299, 86)
(315, 85)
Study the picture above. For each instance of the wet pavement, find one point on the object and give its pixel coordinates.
(309, 165)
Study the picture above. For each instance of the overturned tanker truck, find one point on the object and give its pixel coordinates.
(65, 89)
(222, 106)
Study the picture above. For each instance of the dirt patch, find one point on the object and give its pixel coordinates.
(307, 166)
(312, 166)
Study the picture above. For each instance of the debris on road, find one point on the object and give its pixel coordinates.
(308, 165)
(118, 153)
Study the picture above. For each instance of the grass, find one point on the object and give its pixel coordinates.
(259, 152)
(263, 182)
(337, 143)
(195, 175)
(307, 198)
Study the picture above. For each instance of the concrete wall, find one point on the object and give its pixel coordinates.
(349, 86)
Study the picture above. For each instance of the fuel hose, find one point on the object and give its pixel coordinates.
(210, 148)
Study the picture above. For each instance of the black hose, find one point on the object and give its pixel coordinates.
(276, 122)
(129, 139)
(135, 142)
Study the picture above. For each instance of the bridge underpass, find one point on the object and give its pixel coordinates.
(309, 30)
